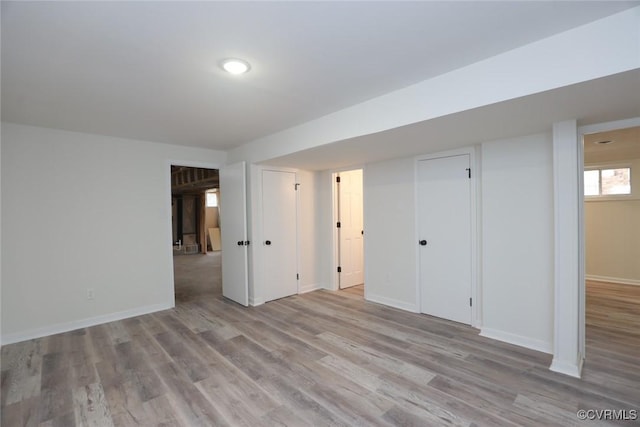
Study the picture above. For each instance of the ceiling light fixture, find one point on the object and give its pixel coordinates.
(235, 66)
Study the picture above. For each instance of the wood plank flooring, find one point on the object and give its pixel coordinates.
(318, 359)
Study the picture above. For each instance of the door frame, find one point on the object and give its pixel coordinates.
(256, 260)
(335, 238)
(171, 288)
(474, 164)
(582, 131)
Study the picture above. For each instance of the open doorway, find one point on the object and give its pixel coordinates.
(612, 244)
(195, 233)
(349, 237)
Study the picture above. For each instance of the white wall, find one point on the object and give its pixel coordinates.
(107, 227)
(612, 234)
(308, 217)
(390, 238)
(518, 241)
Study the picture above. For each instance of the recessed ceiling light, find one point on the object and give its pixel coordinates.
(235, 66)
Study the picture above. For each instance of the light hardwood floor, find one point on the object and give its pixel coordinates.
(323, 358)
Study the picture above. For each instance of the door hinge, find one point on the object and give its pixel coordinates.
(339, 269)
(469, 170)
(470, 302)
(337, 179)
(297, 276)
(338, 224)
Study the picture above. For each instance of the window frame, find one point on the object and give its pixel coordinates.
(605, 197)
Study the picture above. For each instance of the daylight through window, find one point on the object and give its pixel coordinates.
(607, 182)
(212, 200)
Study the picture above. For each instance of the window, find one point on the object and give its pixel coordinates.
(212, 200)
(607, 182)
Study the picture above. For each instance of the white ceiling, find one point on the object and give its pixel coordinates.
(149, 70)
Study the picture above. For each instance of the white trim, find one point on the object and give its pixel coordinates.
(617, 280)
(519, 340)
(476, 308)
(570, 369)
(310, 288)
(254, 302)
(402, 305)
(335, 256)
(79, 324)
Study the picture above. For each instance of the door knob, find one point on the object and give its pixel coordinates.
(267, 242)
(423, 242)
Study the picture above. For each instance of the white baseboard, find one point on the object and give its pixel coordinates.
(618, 280)
(256, 301)
(402, 305)
(531, 343)
(566, 368)
(83, 323)
(310, 288)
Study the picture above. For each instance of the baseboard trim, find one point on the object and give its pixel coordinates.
(518, 340)
(391, 302)
(617, 280)
(254, 302)
(309, 288)
(79, 324)
(566, 368)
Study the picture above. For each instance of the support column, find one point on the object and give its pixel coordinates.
(567, 354)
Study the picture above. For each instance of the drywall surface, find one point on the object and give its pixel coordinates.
(602, 48)
(390, 239)
(518, 241)
(612, 233)
(107, 231)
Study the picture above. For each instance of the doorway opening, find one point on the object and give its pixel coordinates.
(611, 209)
(195, 232)
(349, 231)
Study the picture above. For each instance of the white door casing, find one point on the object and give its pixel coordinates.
(233, 233)
(279, 232)
(445, 237)
(350, 216)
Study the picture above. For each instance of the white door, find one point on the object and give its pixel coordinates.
(279, 225)
(233, 233)
(444, 226)
(350, 216)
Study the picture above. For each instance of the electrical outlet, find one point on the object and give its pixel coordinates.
(90, 294)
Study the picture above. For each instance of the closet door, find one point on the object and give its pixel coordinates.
(279, 231)
(444, 226)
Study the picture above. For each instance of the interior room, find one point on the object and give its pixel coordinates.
(612, 233)
(170, 251)
(195, 230)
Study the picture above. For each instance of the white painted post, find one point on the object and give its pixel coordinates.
(567, 355)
